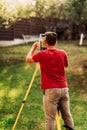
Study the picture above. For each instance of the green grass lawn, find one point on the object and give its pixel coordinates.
(15, 76)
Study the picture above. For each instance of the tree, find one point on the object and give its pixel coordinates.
(11, 11)
(76, 10)
(49, 8)
(7, 13)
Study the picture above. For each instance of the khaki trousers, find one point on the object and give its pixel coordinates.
(57, 99)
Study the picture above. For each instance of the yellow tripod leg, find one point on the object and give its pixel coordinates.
(26, 95)
(58, 121)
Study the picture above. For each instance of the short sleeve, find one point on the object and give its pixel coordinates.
(37, 57)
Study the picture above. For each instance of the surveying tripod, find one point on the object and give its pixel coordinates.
(24, 100)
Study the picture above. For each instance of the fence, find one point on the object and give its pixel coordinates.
(33, 26)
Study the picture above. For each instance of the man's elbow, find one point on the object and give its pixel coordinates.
(29, 59)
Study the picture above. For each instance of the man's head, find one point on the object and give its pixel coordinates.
(51, 38)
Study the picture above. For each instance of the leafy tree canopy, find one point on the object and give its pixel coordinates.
(76, 10)
(12, 10)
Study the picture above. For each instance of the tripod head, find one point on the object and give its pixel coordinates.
(42, 41)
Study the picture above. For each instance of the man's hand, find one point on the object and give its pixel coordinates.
(35, 45)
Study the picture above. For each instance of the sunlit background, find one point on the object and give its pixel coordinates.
(22, 2)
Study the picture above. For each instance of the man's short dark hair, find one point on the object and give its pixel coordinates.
(51, 38)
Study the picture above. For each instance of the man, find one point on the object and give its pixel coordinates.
(53, 81)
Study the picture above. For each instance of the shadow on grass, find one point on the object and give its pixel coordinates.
(5, 61)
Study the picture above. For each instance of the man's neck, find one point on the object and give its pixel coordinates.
(50, 47)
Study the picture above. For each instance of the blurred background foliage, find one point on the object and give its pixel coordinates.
(11, 11)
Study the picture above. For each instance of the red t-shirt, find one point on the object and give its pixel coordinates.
(52, 63)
